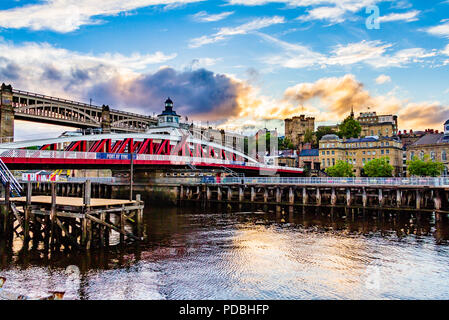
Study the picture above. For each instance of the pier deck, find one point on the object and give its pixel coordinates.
(71, 201)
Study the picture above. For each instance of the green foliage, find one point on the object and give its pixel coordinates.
(425, 167)
(285, 144)
(340, 169)
(378, 168)
(308, 136)
(349, 128)
(322, 131)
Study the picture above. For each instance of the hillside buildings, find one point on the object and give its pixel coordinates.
(360, 151)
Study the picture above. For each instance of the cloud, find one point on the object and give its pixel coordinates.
(201, 94)
(33, 66)
(203, 16)
(332, 10)
(445, 51)
(442, 30)
(333, 14)
(373, 53)
(330, 99)
(406, 16)
(383, 79)
(227, 32)
(68, 15)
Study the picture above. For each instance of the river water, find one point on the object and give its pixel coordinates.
(191, 253)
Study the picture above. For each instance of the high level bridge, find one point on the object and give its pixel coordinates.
(23, 105)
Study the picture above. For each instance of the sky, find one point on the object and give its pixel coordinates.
(237, 64)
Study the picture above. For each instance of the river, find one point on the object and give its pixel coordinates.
(192, 253)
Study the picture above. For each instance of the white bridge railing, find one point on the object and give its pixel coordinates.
(422, 182)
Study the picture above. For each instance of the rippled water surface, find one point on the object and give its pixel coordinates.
(207, 254)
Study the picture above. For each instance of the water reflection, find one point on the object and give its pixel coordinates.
(252, 253)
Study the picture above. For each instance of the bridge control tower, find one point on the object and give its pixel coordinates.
(168, 117)
(6, 114)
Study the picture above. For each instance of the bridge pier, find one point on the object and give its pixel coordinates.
(348, 197)
(333, 197)
(6, 114)
(304, 196)
(265, 195)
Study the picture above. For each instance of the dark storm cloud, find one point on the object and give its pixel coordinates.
(195, 92)
(10, 72)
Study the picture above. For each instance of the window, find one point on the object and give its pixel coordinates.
(388, 151)
(328, 152)
(387, 143)
(432, 155)
(374, 153)
(363, 160)
(328, 162)
(323, 163)
(369, 153)
(363, 152)
(382, 151)
(443, 155)
(412, 155)
(421, 155)
(323, 153)
(333, 161)
(169, 119)
(333, 152)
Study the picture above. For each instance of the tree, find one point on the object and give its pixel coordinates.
(285, 144)
(349, 128)
(425, 167)
(340, 169)
(322, 131)
(308, 136)
(378, 168)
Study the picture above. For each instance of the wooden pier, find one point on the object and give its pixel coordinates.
(415, 198)
(72, 222)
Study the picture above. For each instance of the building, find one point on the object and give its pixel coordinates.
(287, 158)
(168, 117)
(379, 125)
(39, 175)
(433, 144)
(409, 138)
(309, 159)
(296, 128)
(360, 151)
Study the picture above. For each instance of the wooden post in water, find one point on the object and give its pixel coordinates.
(86, 225)
(381, 198)
(291, 196)
(437, 200)
(253, 194)
(318, 196)
(139, 219)
(27, 212)
(265, 195)
(229, 194)
(304, 196)
(333, 197)
(122, 225)
(418, 200)
(348, 197)
(219, 194)
(181, 192)
(398, 198)
(241, 194)
(52, 214)
(208, 193)
(364, 197)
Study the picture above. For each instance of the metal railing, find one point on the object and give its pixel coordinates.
(422, 182)
(7, 176)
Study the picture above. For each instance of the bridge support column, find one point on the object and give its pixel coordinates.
(208, 193)
(253, 194)
(105, 119)
(304, 196)
(265, 195)
(381, 198)
(364, 197)
(6, 114)
(398, 198)
(418, 199)
(241, 194)
(318, 196)
(333, 197)
(348, 197)
(181, 192)
(291, 196)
